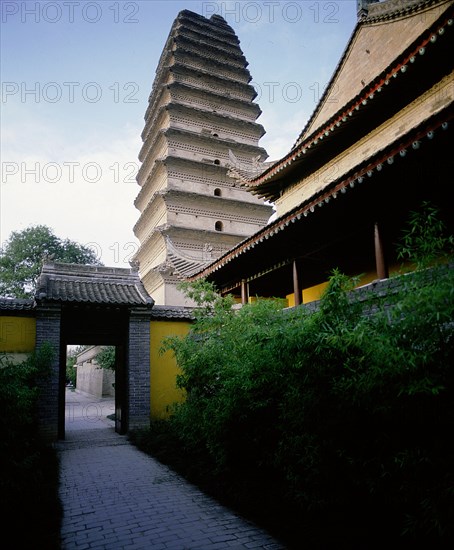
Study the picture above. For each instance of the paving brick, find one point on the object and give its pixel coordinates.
(115, 496)
(223, 538)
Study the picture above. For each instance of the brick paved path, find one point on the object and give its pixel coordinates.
(115, 496)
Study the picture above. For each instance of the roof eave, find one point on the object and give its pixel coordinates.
(336, 124)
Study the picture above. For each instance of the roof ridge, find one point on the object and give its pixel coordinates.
(90, 284)
(376, 85)
(416, 5)
(393, 9)
(15, 304)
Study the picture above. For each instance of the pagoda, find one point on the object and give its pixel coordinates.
(200, 122)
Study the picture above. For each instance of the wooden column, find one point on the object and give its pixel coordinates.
(244, 292)
(380, 259)
(297, 283)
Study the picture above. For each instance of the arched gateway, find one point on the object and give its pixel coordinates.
(80, 304)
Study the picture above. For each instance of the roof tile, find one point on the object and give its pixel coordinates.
(172, 312)
(16, 304)
(60, 282)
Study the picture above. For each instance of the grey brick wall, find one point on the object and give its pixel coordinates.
(48, 330)
(381, 293)
(139, 369)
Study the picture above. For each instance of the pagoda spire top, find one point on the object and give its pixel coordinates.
(200, 114)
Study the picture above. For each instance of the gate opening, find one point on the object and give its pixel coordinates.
(90, 387)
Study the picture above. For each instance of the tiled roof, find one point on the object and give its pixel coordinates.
(382, 11)
(60, 282)
(172, 313)
(183, 263)
(93, 291)
(306, 144)
(381, 160)
(16, 304)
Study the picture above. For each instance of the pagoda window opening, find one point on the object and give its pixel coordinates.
(219, 226)
(217, 192)
(217, 162)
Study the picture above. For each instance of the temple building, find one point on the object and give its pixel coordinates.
(377, 146)
(200, 118)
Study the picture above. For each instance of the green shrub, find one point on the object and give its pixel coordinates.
(337, 417)
(347, 417)
(29, 473)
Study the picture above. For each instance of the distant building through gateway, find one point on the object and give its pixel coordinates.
(91, 378)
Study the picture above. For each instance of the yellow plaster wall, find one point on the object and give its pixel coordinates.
(313, 293)
(163, 368)
(17, 334)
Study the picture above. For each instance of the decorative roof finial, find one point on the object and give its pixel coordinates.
(135, 264)
(48, 258)
(363, 7)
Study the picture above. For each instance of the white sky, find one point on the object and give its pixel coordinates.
(76, 76)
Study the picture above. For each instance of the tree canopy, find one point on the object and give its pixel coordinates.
(106, 358)
(21, 258)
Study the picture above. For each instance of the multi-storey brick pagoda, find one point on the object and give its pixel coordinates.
(200, 120)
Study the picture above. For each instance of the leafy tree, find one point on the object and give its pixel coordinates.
(71, 374)
(71, 358)
(22, 255)
(106, 358)
(424, 240)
